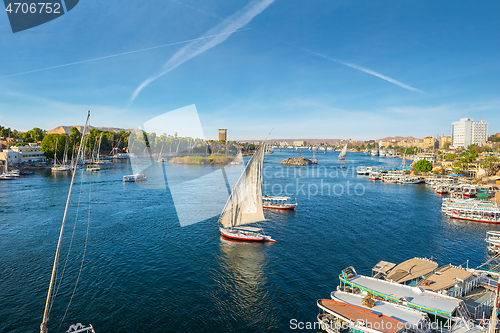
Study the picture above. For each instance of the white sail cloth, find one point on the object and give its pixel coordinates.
(245, 203)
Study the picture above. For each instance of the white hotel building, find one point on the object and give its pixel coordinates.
(30, 153)
(466, 132)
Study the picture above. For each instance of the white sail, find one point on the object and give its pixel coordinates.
(245, 202)
(343, 152)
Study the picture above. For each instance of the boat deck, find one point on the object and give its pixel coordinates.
(354, 314)
(424, 300)
(400, 313)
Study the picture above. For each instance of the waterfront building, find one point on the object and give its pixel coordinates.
(222, 134)
(466, 132)
(444, 140)
(299, 143)
(11, 156)
(30, 153)
(429, 143)
(426, 156)
(385, 144)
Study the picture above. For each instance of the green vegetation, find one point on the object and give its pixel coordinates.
(450, 156)
(217, 159)
(491, 165)
(49, 143)
(423, 166)
(34, 135)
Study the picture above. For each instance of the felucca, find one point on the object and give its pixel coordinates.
(343, 153)
(244, 205)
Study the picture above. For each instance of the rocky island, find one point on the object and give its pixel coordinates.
(298, 161)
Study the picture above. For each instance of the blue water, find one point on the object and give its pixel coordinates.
(145, 273)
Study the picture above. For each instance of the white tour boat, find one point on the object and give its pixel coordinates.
(283, 203)
(138, 177)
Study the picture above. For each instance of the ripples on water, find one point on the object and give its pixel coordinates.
(145, 273)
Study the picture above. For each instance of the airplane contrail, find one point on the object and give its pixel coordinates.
(369, 71)
(122, 54)
(363, 69)
(359, 68)
(222, 31)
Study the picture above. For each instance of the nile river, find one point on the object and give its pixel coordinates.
(143, 272)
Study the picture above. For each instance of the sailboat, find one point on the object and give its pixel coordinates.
(161, 159)
(98, 161)
(6, 175)
(63, 166)
(51, 292)
(343, 152)
(244, 205)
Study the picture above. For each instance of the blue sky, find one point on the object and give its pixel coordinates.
(308, 69)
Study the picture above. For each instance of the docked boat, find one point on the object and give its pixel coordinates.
(391, 178)
(442, 309)
(471, 210)
(374, 175)
(442, 189)
(410, 272)
(493, 240)
(361, 170)
(355, 306)
(477, 214)
(244, 205)
(64, 165)
(338, 316)
(411, 180)
(139, 177)
(469, 191)
(93, 168)
(283, 203)
(6, 175)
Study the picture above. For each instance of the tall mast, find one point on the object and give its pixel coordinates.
(43, 325)
(55, 153)
(233, 209)
(99, 149)
(493, 322)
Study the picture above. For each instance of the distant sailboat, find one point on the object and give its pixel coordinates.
(343, 153)
(63, 166)
(244, 205)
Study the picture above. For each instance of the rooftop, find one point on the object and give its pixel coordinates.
(444, 278)
(411, 269)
